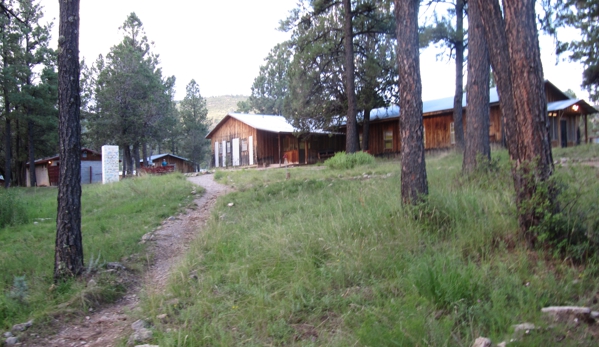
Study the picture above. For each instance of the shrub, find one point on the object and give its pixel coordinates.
(341, 160)
(12, 209)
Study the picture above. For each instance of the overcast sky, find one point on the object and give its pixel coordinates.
(221, 44)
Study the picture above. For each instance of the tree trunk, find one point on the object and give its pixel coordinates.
(366, 129)
(68, 260)
(18, 167)
(136, 159)
(7, 146)
(494, 28)
(144, 150)
(351, 139)
(31, 140)
(414, 184)
(515, 57)
(459, 77)
(127, 167)
(534, 165)
(477, 131)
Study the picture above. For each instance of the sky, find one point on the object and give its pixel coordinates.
(222, 44)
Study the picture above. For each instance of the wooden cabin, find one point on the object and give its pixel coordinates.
(251, 139)
(567, 120)
(180, 164)
(47, 170)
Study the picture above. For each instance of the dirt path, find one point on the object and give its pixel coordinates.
(108, 326)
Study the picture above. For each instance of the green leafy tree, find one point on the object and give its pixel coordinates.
(193, 112)
(272, 84)
(131, 97)
(330, 75)
(584, 16)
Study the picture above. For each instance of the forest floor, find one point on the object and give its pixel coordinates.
(110, 325)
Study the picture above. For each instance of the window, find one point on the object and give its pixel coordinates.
(388, 140)
(452, 133)
(228, 147)
(424, 135)
(84, 154)
(244, 145)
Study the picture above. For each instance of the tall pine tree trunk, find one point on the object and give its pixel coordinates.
(459, 77)
(351, 139)
(136, 159)
(68, 260)
(7, 145)
(515, 57)
(31, 140)
(534, 165)
(144, 149)
(414, 184)
(477, 131)
(366, 129)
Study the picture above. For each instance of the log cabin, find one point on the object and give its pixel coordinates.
(252, 139)
(47, 170)
(567, 122)
(180, 164)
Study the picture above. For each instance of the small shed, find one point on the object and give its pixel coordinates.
(254, 139)
(47, 170)
(181, 164)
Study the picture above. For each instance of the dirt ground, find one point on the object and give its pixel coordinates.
(108, 326)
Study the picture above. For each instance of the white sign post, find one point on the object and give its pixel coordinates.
(110, 164)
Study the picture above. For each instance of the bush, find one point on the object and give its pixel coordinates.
(12, 209)
(341, 160)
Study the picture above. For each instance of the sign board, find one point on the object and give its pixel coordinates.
(110, 164)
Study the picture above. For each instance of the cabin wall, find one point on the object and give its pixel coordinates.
(234, 129)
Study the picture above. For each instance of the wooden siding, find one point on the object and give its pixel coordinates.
(437, 131)
(270, 147)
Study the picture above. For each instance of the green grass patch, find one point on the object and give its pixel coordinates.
(331, 257)
(342, 160)
(114, 217)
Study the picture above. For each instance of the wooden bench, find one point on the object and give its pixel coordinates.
(322, 155)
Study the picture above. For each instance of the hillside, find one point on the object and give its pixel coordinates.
(219, 106)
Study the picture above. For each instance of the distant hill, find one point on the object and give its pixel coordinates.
(219, 106)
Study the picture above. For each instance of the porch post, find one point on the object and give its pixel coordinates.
(279, 143)
(586, 130)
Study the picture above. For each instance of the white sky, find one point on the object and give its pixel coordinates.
(221, 44)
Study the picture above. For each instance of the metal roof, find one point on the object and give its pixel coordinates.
(270, 123)
(158, 156)
(429, 106)
(564, 104)
(274, 124)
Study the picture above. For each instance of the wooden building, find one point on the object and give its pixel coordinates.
(47, 169)
(250, 139)
(180, 164)
(567, 120)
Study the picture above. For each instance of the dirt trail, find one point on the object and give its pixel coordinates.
(109, 325)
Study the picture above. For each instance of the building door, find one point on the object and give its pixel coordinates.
(251, 149)
(302, 151)
(216, 156)
(564, 131)
(235, 151)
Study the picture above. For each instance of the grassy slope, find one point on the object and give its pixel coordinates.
(331, 258)
(114, 217)
(219, 106)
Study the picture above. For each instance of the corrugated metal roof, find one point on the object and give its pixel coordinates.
(564, 104)
(158, 156)
(275, 124)
(429, 106)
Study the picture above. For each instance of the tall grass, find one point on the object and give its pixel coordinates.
(332, 258)
(12, 210)
(114, 217)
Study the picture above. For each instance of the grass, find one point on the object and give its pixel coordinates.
(114, 217)
(331, 257)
